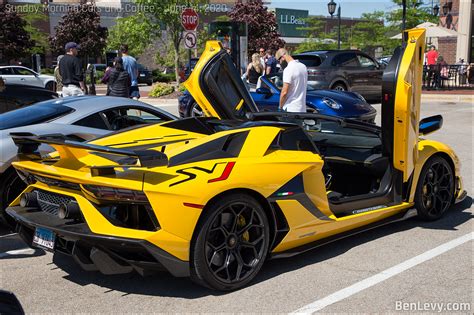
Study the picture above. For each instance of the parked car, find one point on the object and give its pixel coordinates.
(187, 69)
(14, 96)
(99, 67)
(344, 70)
(213, 198)
(24, 76)
(384, 60)
(144, 75)
(81, 118)
(267, 97)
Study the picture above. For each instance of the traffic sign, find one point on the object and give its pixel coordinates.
(190, 39)
(189, 19)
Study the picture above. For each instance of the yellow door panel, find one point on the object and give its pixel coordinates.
(407, 103)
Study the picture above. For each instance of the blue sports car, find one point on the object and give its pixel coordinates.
(267, 95)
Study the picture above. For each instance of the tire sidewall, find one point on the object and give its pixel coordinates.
(8, 178)
(422, 212)
(193, 105)
(200, 270)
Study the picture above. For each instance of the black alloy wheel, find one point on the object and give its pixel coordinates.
(195, 110)
(435, 189)
(339, 87)
(232, 243)
(11, 187)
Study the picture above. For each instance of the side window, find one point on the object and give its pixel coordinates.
(345, 60)
(6, 71)
(22, 71)
(309, 61)
(276, 80)
(93, 121)
(366, 62)
(125, 117)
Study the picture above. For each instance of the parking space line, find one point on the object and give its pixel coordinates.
(17, 252)
(382, 276)
(7, 235)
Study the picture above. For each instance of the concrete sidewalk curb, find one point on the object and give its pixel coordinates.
(448, 97)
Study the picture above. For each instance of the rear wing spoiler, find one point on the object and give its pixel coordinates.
(28, 144)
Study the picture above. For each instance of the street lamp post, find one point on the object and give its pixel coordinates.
(331, 9)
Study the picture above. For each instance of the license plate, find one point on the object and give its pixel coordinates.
(44, 238)
(142, 74)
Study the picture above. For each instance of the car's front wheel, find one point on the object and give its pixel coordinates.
(435, 189)
(195, 110)
(231, 243)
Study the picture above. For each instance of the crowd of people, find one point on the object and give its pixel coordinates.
(121, 77)
(295, 76)
(437, 70)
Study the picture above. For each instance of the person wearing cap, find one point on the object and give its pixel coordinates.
(295, 81)
(71, 71)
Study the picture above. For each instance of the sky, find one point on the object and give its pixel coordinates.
(349, 8)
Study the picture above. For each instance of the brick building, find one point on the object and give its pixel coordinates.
(457, 15)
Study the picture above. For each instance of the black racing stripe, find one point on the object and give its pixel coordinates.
(296, 186)
(228, 146)
(156, 144)
(192, 175)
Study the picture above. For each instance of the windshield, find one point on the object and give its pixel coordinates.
(34, 114)
(277, 81)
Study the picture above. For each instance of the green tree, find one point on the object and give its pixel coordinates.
(165, 15)
(136, 30)
(34, 16)
(416, 14)
(371, 33)
(81, 25)
(15, 41)
(317, 39)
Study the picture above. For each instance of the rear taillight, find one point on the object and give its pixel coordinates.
(115, 194)
(316, 72)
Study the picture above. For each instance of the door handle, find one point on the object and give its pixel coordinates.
(22, 79)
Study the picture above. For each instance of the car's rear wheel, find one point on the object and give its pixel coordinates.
(195, 110)
(435, 189)
(339, 87)
(231, 244)
(10, 187)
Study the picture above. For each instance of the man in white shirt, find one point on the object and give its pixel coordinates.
(295, 81)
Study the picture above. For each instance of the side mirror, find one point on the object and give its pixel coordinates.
(264, 90)
(430, 124)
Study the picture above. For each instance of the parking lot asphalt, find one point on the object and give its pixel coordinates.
(397, 268)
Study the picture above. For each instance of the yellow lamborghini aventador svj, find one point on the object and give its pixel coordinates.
(213, 197)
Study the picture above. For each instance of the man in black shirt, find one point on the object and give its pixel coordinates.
(71, 71)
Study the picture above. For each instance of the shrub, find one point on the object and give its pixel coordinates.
(181, 88)
(159, 76)
(47, 71)
(98, 76)
(160, 89)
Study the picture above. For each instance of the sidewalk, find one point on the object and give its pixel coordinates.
(450, 96)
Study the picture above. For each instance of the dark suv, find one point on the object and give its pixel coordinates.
(345, 70)
(144, 75)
